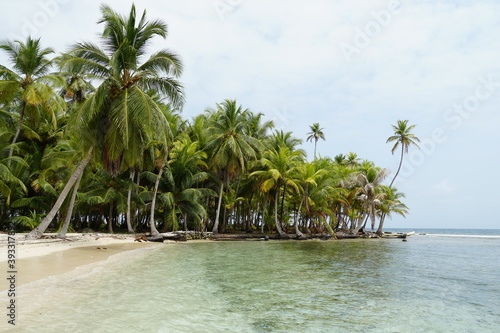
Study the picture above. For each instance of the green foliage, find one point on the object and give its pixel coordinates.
(226, 165)
(29, 222)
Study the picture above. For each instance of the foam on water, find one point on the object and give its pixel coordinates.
(462, 236)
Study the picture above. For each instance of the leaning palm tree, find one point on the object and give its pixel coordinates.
(121, 119)
(29, 83)
(403, 137)
(315, 134)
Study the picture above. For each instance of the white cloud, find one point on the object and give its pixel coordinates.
(285, 55)
(443, 188)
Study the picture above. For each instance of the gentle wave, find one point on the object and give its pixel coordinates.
(460, 236)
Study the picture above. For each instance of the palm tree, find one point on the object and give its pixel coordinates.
(369, 181)
(257, 128)
(315, 134)
(30, 83)
(78, 82)
(121, 113)
(120, 116)
(283, 139)
(230, 145)
(403, 137)
(180, 194)
(279, 165)
(391, 204)
(308, 176)
(40, 229)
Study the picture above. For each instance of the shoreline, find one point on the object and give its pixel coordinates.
(42, 258)
(49, 256)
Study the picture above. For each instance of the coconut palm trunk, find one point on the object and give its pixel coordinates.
(380, 230)
(136, 211)
(69, 214)
(296, 222)
(154, 231)
(276, 220)
(264, 210)
(400, 164)
(18, 131)
(110, 218)
(402, 136)
(40, 229)
(215, 229)
(185, 224)
(328, 227)
(129, 197)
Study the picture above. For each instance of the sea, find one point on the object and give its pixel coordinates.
(439, 280)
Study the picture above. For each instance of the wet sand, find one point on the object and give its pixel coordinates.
(39, 259)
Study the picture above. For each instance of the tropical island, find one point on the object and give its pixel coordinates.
(94, 140)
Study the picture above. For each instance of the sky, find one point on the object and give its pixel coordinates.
(356, 67)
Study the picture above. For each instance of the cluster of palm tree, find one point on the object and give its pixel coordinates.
(93, 139)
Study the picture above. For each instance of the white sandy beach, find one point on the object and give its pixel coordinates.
(38, 259)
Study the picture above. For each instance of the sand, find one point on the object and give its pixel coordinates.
(39, 259)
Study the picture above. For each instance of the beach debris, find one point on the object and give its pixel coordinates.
(88, 231)
(397, 235)
(118, 237)
(148, 238)
(158, 239)
(141, 238)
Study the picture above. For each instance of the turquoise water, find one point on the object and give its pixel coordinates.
(431, 283)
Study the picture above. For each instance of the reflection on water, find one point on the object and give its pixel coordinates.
(426, 284)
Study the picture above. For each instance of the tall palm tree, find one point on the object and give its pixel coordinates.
(121, 118)
(402, 136)
(30, 83)
(230, 146)
(121, 113)
(315, 134)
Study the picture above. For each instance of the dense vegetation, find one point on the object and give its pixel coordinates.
(94, 138)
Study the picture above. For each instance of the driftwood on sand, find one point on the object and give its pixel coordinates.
(182, 236)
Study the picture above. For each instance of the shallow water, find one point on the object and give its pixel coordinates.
(428, 284)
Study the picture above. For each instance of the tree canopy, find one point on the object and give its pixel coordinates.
(103, 123)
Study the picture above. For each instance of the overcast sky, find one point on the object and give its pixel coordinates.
(355, 67)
